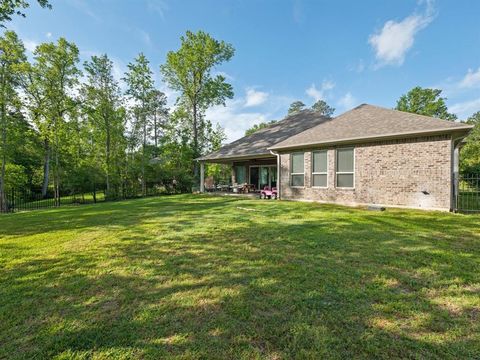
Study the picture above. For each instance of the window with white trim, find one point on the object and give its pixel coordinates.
(320, 168)
(298, 169)
(345, 164)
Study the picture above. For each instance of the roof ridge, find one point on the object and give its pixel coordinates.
(404, 112)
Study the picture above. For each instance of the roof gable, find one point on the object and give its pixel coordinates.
(258, 143)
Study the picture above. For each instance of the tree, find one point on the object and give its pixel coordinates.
(49, 87)
(470, 153)
(425, 102)
(159, 113)
(101, 103)
(189, 71)
(8, 8)
(139, 79)
(323, 108)
(259, 126)
(12, 59)
(296, 107)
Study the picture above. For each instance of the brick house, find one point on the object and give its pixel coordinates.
(366, 156)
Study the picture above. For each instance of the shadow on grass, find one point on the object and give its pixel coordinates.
(205, 278)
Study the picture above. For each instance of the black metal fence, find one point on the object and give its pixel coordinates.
(27, 199)
(467, 193)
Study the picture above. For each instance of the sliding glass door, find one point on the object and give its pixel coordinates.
(262, 176)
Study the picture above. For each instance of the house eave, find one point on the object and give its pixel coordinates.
(461, 129)
(232, 158)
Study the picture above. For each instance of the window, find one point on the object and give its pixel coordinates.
(240, 176)
(319, 168)
(298, 172)
(345, 168)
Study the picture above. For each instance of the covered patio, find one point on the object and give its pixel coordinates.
(253, 165)
(248, 175)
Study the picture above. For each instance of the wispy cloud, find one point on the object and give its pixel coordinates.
(235, 120)
(471, 79)
(85, 8)
(297, 11)
(225, 75)
(145, 37)
(358, 67)
(30, 45)
(348, 101)
(393, 41)
(466, 108)
(320, 94)
(48, 35)
(158, 6)
(254, 97)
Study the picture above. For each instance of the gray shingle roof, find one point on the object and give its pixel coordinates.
(258, 143)
(369, 122)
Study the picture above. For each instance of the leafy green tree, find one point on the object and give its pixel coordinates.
(189, 71)
(12, 60)
(470, 153)
(49, 87)
(139, 79)
(259, 126)
(425, 102)
(8, 8)
(102, 100)
(295, 107)
(323, 108)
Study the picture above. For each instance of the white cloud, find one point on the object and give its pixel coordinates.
(348, 101)
(471, 79)
(393, 41)
(48, 35)
(225, 75)
(234, 120)
(30, 45)
(255, 98)
(466, 108)
(320, 94)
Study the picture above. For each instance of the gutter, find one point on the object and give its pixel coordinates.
(374, 138)
(278, 172)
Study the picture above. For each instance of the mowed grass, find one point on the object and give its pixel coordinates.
(201, 277)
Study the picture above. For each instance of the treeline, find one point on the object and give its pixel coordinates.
(68, 127)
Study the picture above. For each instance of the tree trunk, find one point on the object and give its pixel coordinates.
(3, 197)
(108, 160)
(144, 187)
(46, 168)
(155, 129)
(56, 175)
(195, 142)
(3, 117)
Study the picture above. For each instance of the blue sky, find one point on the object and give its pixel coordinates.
(345, 52)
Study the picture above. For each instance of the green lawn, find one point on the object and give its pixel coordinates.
(201, 277)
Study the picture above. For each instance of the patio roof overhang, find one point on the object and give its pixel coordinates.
(233, 158)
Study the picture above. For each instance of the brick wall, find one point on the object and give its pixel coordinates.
(393, 173)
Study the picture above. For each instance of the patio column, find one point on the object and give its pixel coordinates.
(202, 177)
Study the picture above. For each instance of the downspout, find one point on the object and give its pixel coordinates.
(279, 181)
